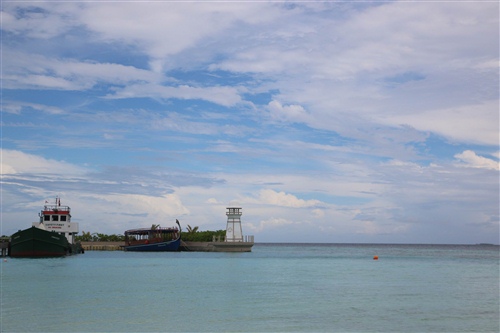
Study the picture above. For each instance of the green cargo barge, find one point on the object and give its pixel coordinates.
(35, 242)
(53, 236)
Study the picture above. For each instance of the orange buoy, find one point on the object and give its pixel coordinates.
(375, 258)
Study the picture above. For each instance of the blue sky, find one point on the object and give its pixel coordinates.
(325, 121)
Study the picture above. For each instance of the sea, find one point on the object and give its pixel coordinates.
(274, 288)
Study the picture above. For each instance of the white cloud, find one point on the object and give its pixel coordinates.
(381, 228)
(23, 70)
(157, 209)
(17, 162)
(291, 113)
(472, 160)
(400, 163)
(319, 213)
(212, 201)
(268, 224)
(271, 197)
(44, 21)
(226, 96)
(171, 27)
(16, 107)
(464, 124)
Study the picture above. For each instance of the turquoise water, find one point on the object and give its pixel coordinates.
(275, 288)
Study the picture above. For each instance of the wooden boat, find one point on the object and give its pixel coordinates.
(52, 236)
(154, 239)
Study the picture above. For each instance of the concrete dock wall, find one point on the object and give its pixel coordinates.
(217, 246)
(185, 246)
(102, 246)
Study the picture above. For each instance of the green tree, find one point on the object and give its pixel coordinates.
(191, 230)
(85, 237)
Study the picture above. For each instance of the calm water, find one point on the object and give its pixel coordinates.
(275, 288)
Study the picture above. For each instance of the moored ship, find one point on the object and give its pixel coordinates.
(154, 239)
(53, 236)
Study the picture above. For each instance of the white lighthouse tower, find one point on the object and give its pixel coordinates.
(234, 240)
(233, 227)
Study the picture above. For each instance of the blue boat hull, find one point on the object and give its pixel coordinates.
(169, 246)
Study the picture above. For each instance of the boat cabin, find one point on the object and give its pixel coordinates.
(57, 218)
(150, 235)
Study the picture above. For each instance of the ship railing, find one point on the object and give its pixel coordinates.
(56, 208)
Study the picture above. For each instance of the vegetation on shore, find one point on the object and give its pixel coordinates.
(98, 237)
(191, 235)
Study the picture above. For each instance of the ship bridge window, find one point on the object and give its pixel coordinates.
(63, 217)
(46, 217)
(55, 218)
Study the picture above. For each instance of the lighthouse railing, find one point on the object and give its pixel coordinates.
(246, 239)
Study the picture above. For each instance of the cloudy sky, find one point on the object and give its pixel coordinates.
(325, 121)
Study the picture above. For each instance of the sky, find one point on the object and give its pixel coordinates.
(325, 121)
